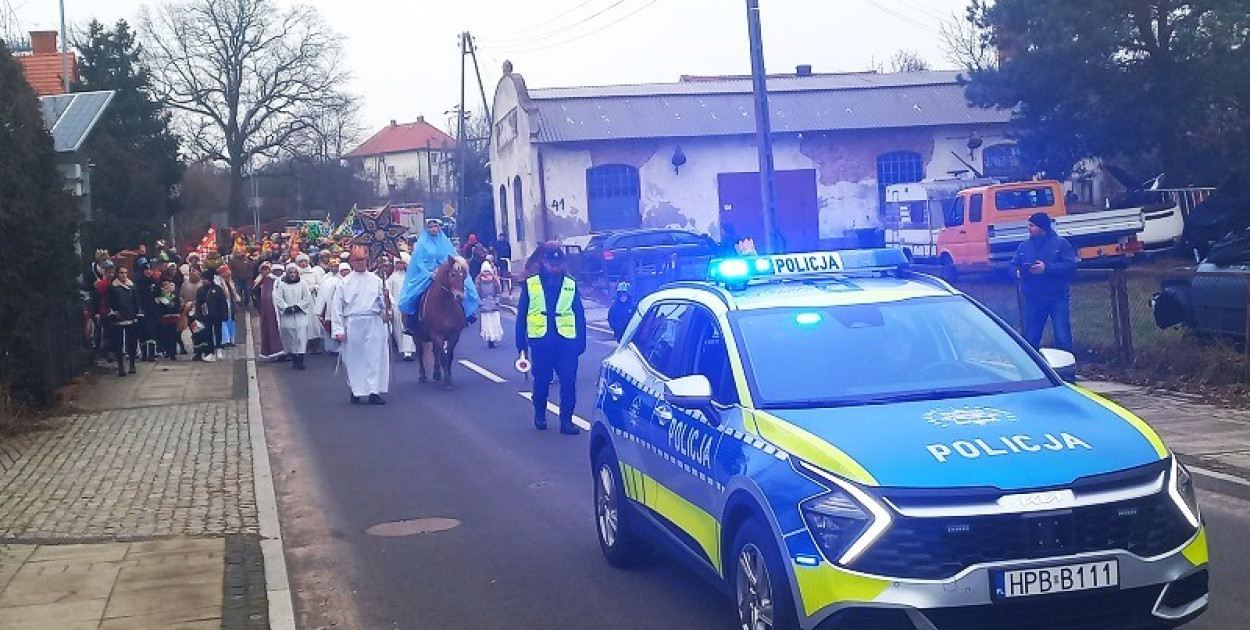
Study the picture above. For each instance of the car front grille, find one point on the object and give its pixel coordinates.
(941, 547)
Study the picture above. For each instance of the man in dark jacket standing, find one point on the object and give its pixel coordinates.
(1045, 265)
(551, 325)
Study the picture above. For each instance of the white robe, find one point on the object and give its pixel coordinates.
(322, 308)
(395, 284)
(293, 326)
(366, 352)
(313, 280)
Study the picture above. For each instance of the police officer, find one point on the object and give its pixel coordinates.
(551, 325)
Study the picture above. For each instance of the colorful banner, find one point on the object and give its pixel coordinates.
(347, 227)
(209, 242)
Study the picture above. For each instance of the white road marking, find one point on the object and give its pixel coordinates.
(606, 331)
(1215, 474)
(490, 376)
(578, 420)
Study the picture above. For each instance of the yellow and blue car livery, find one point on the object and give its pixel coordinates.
(1029, 504)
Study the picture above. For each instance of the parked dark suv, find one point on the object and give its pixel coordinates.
(629, 254)
(1212, 301)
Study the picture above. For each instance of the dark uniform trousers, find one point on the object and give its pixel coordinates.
(554, 357)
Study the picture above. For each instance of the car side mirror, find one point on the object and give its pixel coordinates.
(1061, 361)
(689, 392)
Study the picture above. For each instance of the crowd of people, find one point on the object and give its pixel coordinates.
(326, 297)
(158, 305)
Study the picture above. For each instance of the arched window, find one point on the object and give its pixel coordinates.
(613, 194)
(897, 167)
(1003, 161)
(518, 206)
(503, 211)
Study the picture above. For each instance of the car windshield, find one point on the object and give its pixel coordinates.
(916, 349)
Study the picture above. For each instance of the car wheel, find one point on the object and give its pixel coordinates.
(761, 588)
(620, 546)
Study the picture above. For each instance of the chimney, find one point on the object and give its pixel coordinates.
(393, 123)
(420, 120)
(803, 70)
(43, 42)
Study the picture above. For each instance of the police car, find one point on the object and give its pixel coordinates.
(841, 443)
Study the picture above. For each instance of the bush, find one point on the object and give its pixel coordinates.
(38, 263)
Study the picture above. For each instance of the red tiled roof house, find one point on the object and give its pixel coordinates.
(403, 156)
(43, 66)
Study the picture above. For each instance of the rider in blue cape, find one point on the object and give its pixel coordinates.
(432, 249)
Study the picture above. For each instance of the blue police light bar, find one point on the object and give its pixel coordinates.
(741, 270)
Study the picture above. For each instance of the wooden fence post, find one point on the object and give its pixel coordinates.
(1121, 320)
(1126, 317)
(1020, 304)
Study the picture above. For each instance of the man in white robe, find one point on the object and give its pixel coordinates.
(360, 314)
(323, 308)
(308, 273)
(293, 301)
(394, 284)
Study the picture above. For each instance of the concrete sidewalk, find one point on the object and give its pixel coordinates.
(137, 509)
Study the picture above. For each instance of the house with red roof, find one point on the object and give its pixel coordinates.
(43, 65)
(407, 160)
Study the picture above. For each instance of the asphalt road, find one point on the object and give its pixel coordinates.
(523, 554)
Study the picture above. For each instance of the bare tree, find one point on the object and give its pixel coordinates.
(965, 44)
(908, 61)
(248, 76)
(333, 132)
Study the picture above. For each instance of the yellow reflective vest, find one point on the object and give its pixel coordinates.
(536, 316)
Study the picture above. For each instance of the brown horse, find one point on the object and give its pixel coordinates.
(441, 317)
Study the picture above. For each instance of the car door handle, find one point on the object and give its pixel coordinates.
(664, 413)
(616, 391)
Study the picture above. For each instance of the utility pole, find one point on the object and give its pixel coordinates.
(461, 155)
(64, 48)
(481, 87)
(763, 129)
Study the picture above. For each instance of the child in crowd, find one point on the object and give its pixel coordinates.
(621, 311)
(168, 312)
(488, 290)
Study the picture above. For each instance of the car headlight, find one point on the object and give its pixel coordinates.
(1181, 488)
(844, 521)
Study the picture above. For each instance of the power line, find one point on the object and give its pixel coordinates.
(543, 23)
(901, 16)
(917, 5)
(583, 35)
(539, 38)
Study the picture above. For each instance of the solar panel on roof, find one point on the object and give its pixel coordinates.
(71, 117)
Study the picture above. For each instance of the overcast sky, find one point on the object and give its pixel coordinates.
(404, 58)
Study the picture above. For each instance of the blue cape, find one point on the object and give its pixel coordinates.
(427, 255)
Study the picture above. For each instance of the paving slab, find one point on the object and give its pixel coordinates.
(114, 552)
(52, 616)
(183, 602)
(36, 584)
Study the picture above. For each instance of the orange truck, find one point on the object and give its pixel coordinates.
(980, 226)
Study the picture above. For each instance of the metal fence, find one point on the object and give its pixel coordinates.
(1113, 322)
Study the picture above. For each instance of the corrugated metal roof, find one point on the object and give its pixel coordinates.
(739, 85)
(725, 108)
(71, 117)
